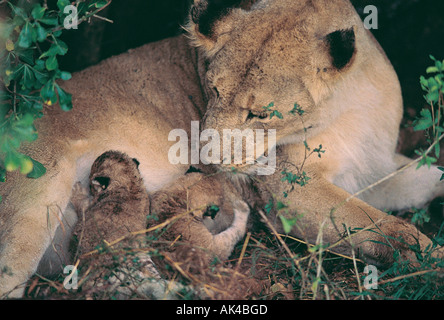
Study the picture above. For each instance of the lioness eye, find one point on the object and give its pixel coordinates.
(216, 91)
(259, 115)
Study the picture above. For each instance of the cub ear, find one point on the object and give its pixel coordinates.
(209, 18)
(136, 162)
(341, 44)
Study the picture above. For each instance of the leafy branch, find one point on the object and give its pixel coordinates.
(30, 73)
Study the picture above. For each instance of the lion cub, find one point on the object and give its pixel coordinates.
(207, 211)
(119, 205)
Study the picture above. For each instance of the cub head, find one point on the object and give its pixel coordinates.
(266, 60)
(113, 170)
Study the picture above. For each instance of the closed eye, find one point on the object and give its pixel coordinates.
(99, 184)
(259, 115)
(216, 92)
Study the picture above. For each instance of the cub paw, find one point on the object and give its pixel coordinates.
(241, 210)
(80, 197)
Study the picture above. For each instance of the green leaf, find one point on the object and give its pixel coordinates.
(424, 83)
(287, 224)
(23, 129)
(26, 121)
(437, 150)
(58, 47)
(61, 4)
(269, 206)
(18, 11)
(442, 176)
(51, 63)
(38, 11)
(432, 69)
(28, 77)
(25, 38)
(41, 32)
(38, 170)
(277, 114)
(64, 75)
(2, 175)
(297, 109)
(268, 108)
(62, 48)
(101, 3)
(280, 205)
(65, 99)
(424, 122)
(432, 96)
(52, 21)
(48, 91)
(41, 77)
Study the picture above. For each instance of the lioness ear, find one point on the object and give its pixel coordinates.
(209, 19)
(341, 44)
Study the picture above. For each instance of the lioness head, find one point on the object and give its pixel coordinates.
(265, 57)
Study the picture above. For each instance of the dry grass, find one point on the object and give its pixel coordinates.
(264, 266)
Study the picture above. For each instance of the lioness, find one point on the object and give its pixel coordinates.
(339, 80)
(315, 53)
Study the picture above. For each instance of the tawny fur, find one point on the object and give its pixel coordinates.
(115, 209)
(188, 200)
(353, 109)
(270, 51)
(118, 207)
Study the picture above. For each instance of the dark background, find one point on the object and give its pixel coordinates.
(409, 31)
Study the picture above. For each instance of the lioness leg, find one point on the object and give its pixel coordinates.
(323, 208)
(410, 187)
(32, 224)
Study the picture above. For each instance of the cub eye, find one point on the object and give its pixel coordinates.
(259, 115)
(99, 184)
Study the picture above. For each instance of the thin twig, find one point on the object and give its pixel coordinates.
(414, 274)
(391, 175)
(136, 233)
(239, 262)
(282, 242)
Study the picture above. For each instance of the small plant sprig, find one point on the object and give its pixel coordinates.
(300, 176)
(296, 177)
(431, 122)
(273, 113)
(29, 74)
(431, 119)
